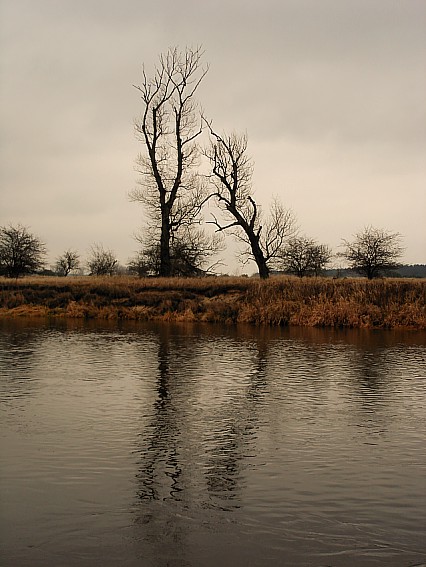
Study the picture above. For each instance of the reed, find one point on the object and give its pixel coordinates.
(313, 302)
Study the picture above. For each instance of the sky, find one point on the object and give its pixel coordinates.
(331, 94)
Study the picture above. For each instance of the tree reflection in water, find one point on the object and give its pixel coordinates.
(194, 450)
(159, 451)
(236, 432)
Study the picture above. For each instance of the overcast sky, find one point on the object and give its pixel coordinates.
(330, 92)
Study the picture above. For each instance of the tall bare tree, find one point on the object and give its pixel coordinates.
(232, 171)
(168, 127)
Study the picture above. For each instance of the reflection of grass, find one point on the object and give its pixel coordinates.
(313, 302)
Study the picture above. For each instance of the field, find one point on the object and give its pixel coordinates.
(314, 302)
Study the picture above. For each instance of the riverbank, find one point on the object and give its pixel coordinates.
(314, 302)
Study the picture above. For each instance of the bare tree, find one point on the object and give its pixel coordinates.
(168, 127)
(20, 251)
(373, 252)
(303, 256)
(232, 170)
(67, 263)
(191, 250)
(321, 256)
(101, 262)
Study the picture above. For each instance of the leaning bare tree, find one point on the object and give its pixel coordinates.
(168, 127)
(232, 170)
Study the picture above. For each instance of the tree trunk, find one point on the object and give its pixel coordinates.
(263, 270)
(165, 263)
(259, 258)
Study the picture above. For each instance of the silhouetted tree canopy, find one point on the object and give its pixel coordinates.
(191, 251)
(21, 252)
(67, 263)
(102, 262)
(373, 251)
(303, 256)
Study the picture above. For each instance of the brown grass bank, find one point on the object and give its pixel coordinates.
(313, 302)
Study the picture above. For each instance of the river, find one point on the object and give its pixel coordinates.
(187, 445)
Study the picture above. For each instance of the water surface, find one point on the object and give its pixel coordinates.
(187, 445)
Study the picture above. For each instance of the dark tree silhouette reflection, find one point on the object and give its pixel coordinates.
(235, 436)
(194, 447)
(160, 444)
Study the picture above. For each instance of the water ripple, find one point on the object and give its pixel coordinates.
(189, 447)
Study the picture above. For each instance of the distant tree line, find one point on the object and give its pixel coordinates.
(402, 271)
(23, 253)
(372, 253)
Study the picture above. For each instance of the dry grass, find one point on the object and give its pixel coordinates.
(313, 302)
